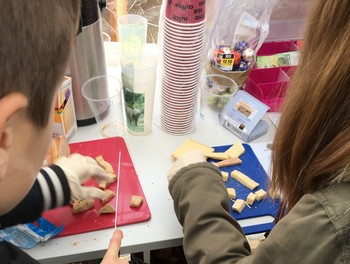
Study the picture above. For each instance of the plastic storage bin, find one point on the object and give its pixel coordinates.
(269, 85)
(270, 48)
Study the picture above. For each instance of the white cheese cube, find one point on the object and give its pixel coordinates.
(224, 176)
(251, 198)
(231, 193)
(238, 206)
(260, 194)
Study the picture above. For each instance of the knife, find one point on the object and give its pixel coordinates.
(117, 192)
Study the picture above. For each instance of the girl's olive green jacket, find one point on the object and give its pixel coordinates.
(316, 230)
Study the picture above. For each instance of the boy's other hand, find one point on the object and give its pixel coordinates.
(79, 169)
(112, 254)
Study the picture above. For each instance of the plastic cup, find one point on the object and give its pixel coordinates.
(185, 36)
(185, 11)
(184, 50)
(104, 97)
(215, 92)
(184, 26)
(139, 82)
(132, 36)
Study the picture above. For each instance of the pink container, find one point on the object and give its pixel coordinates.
(269, 85)
(270, 48)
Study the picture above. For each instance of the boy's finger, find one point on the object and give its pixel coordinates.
(114, 244)
(114, 247)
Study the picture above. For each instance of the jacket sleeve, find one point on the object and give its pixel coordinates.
(201, 204)
(211, 235)
(50, 190)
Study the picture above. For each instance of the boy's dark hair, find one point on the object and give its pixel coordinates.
(36, 37)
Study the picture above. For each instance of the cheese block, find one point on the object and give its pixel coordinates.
(236, 150)
(216, 155)
(231, 193)
(251, 198)
(238, 205)
(191, 144)
(273, 194)
(260, 194)
(244, 179)
(224, 176)
(228, 162)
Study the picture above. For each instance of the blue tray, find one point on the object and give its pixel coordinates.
(251, 167)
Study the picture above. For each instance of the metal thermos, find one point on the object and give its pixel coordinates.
(87, 58)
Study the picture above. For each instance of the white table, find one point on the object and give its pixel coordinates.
(151, 158)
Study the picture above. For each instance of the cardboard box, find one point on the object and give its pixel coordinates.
(65, 123)
(242, 116)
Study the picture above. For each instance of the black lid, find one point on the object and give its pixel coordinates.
(89, 12)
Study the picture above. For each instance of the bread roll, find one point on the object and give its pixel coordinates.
(59, 146)
(107, 209)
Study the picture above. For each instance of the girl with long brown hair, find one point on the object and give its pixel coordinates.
(311, 148)
(311, 165)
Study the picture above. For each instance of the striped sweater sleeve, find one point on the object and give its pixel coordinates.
(54, 187)
(50, 190)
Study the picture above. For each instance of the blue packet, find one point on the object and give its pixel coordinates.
(28, 235)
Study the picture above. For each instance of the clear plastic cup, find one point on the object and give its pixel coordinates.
(104, 95)
(132, 31)
(215, 92)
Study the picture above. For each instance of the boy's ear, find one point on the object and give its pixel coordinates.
(9, 105)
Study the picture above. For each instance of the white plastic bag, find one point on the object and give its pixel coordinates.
(239, 22)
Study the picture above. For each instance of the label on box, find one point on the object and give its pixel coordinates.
(64, 116)
(242, 114)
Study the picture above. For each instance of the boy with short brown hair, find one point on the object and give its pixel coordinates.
(36, 37)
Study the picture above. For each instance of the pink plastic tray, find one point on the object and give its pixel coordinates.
(270, 85)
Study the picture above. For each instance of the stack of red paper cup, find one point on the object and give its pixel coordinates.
(183, 42)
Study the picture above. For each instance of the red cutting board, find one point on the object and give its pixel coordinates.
(129, 185)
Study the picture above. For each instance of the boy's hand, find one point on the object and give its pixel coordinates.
(112, 254)
(79, 169)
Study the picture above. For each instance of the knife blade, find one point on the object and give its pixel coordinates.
(117, 191)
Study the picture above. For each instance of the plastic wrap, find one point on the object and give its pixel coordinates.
(237, 34)
(149, 9)
(28, 235)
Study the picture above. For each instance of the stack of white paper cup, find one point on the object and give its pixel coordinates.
(183, 43)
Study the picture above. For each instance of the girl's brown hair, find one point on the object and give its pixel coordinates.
(36, 37)
(311, 148)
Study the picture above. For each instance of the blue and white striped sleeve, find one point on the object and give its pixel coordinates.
(50, 190)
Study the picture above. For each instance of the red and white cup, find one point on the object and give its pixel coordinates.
(185, 11)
